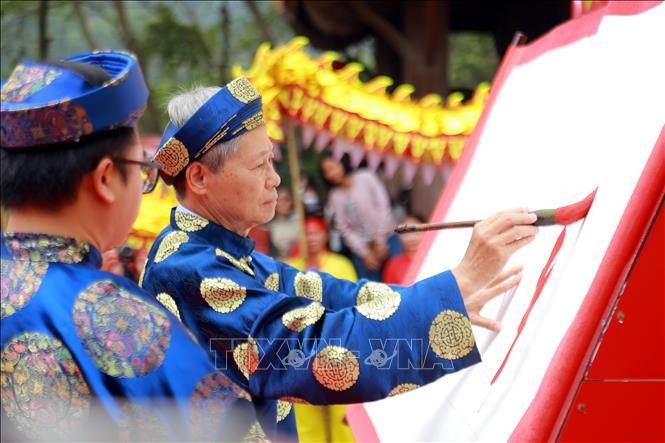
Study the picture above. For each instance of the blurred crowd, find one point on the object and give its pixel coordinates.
(349, 227)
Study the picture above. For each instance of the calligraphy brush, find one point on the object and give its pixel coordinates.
(564, 215)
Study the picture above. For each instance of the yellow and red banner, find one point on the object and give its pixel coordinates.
(336, 102)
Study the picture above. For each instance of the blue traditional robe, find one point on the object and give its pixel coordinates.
(291, 336)
(87, 355)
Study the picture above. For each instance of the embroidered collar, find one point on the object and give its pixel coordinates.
(217, 235)
(50, 248)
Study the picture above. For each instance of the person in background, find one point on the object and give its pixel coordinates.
(322, 423)
(290, 336)
(284, 228)
(361, 209)
(318, 255)
(111, 263)
(397, 267)
(86, 354)
(124, 261)
(310, 198)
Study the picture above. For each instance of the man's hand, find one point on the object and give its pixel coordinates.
(505, 281)
(371, 261)
(492, 243)
(379, 249)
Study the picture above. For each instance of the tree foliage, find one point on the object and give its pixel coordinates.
(179, 43)
(473, 60)
(181, 48)
(187, 43)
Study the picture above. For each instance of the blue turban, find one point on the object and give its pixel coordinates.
(44, 103)
(231, 112)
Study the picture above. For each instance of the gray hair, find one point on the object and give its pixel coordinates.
(180, 109)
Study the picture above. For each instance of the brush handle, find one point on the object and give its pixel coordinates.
(405, 228)
(546, 217)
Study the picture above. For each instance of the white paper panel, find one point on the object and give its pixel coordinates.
(584, 115)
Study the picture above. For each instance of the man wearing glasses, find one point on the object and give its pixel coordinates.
(87, 355)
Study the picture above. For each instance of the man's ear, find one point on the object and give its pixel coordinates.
(101, 178)
(197, 175)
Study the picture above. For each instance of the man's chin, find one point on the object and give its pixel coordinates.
(270, 216)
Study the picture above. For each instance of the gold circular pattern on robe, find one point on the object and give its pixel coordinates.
(298, 319)
(309, 285)
(246, 356)
(43, 391)
(167, 301)
(190, 222)
(222, 294)
(123, 334)
(243, 90)
(170, 244)
(272, 282)
(450, 335)
(21, 279)
(377, 301)
(283, 409)
(402, 388)
(173, 157)
(336, 368)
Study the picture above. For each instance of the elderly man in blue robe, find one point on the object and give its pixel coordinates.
(285, 335)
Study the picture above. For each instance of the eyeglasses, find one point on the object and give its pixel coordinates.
(149, 172)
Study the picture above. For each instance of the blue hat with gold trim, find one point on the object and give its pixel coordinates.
(46, 103)
(231, 112)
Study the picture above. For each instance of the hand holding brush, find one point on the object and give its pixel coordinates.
(564, 215)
